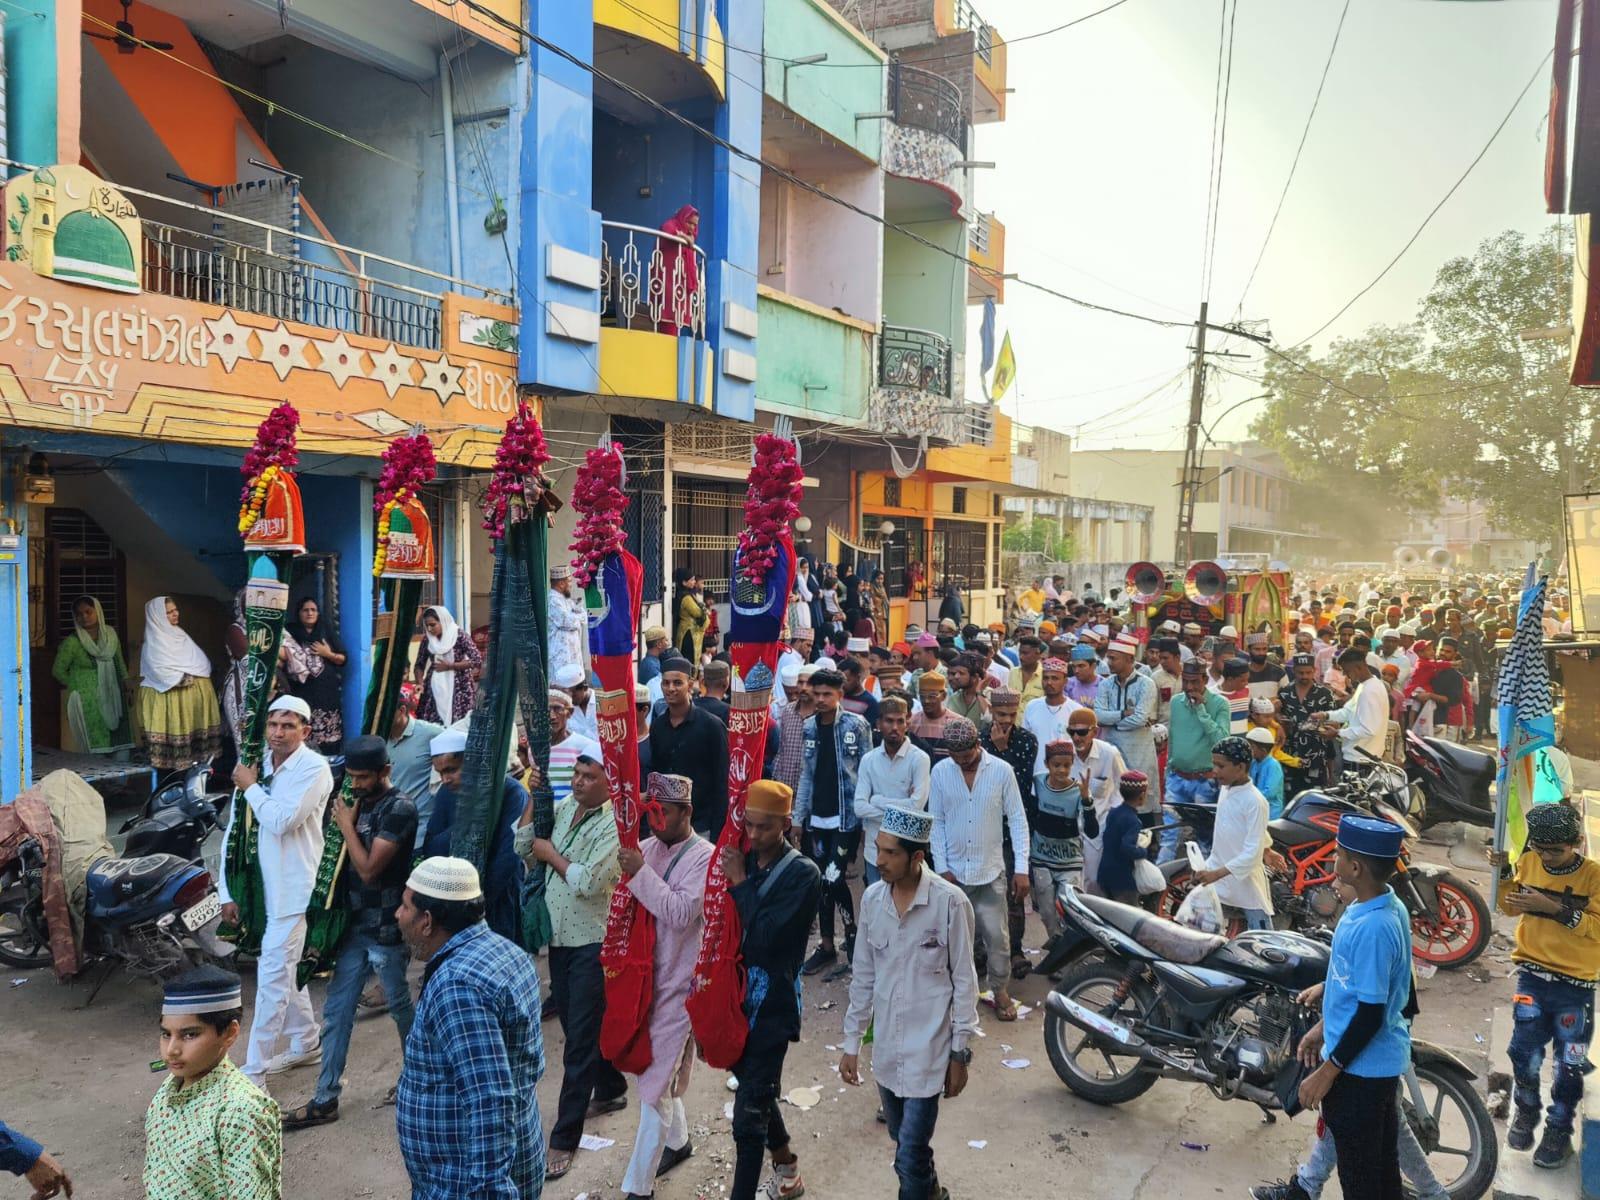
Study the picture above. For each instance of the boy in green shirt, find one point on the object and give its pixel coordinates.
(210, 1134)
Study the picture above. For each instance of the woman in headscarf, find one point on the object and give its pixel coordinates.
(691, 610)
(950, 608)
(447, 668)
(679, 278)
(878, 592)
(802, 599)
(177, 704)
(323, 685)
(89, 665)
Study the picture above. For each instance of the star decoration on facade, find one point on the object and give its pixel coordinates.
(228, 340)
(392, 369)
(442, 378)
(341, 360)
(283, 351)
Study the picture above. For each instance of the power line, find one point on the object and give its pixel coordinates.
(1219, 144)
(1304, 133)
(1411, 241)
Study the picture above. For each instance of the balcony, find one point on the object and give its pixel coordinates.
(988, 58)
(986, 247)
(915, 383)
(661, 47)
(922, 100)
(653, 316)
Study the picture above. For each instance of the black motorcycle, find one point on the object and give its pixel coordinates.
(1143, 999)
(1454, 781)
(177, 818)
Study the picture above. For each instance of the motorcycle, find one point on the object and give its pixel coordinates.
(177, 818)
(1150, 999)
(1450, 922)
(1453, 781)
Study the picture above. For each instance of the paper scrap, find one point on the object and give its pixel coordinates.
(978, 1145)
(727, 1110)
(1004, 1049)
(1016, 1064)
(590, 1141)
(804, 1097)
(1023, 1010)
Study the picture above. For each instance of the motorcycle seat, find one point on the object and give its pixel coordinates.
(1174, 942)
(115, 881)
(1474, 764)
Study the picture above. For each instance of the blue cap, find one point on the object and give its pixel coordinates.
(1083, 652)
(1370, 836)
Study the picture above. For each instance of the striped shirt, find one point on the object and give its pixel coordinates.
(563, 758)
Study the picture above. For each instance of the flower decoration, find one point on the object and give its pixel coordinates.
(517, 475)
(598, 497)
(408, 464)
(771, 503)
(272, 452)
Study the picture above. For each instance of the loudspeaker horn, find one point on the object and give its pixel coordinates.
(1205, 582)
(1145, 582)
(1440, 559)
(1406, 557)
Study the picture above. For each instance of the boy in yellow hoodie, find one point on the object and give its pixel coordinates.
(1555, 891)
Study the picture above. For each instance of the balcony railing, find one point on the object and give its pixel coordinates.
(978, 235)
(923, 100)
(914, 358)
(651, 279)
(967, 18)
(973, 425)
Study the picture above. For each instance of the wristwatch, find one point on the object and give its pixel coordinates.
(964, 1057)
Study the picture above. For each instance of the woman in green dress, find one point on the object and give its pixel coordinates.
(90, 666)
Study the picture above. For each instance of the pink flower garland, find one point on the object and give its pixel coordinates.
(274, 447)
(598, 497)
(408, 464)
(771, 503)
(517, 470)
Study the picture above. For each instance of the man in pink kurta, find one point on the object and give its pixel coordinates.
(667, 874)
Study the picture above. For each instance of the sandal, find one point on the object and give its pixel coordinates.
(557, 1164)
(1009, 1012)
(1020, 966)
(311, 1113)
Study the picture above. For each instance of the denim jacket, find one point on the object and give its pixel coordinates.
(852, 738)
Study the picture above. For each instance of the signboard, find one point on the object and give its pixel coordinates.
(67, 223)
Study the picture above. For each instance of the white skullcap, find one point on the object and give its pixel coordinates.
(451, 741)
(1262, 735)
(1375, 662)
(858, 645)
(1387, 631)
(826, 664)
(789, 675)
(1228, 631)
(569, 676)
(445, 879)
(806, 672)
(557, 696)
(291, 704)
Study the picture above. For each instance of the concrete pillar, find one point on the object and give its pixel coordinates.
(16, 732)
(43, 80)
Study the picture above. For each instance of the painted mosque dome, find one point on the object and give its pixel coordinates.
(89, 248)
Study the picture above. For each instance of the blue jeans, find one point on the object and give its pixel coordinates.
(911, 1124)
(357, 954)
(1181, 791)
(1545, 1011)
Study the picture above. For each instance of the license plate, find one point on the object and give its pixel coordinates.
(201, 913)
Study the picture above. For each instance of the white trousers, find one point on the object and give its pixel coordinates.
(283, 1012)
(661, 1125)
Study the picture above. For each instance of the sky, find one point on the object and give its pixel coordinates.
(1103, 165)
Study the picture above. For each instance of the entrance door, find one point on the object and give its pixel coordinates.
(80, 560)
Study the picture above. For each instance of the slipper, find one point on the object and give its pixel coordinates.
(311, 1113)
(1020, 967)
(599, 1108)
(558, 1164)
(1008, 1013)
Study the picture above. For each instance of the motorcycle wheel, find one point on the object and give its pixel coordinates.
(1460, 933)
(1179, 885)
(22, 944)
(1459, 1116)
(1092, 983)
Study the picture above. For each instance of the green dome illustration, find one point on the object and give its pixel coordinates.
(91, 249)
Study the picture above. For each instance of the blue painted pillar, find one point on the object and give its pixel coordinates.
(16, 717)
(31, 80)
(736, 216)
(558, 255)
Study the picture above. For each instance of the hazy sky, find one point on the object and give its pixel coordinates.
(1103, 164)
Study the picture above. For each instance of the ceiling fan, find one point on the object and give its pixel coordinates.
(127, 41)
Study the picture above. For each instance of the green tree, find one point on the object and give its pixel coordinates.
(1038, 537)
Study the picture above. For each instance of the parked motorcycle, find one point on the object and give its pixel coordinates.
(1453, 781)
(177, 818)
(1450, 922)
(1143, 999)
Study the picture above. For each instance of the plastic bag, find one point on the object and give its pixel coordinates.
(1202, 910)
(1147, 877)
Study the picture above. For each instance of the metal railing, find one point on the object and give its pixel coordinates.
(914, 358)
(648, 275)
(973, 425)
(978, 234)
(967, 18)
(924, 100)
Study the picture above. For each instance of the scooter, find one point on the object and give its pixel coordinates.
(1143, 999)
(177, 818)
(1454, 781)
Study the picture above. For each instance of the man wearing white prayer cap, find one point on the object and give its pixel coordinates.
(283, 1028)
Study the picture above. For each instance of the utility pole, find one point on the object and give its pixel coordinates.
(1183, 551)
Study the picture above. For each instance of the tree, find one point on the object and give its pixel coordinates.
(1455, 403)
(1038, 537)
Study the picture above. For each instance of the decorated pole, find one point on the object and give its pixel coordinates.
(402, 561)
(763, 575)
(517, 509)
(273, 528)
(613, 589)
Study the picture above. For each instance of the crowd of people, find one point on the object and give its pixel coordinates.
(961, 772)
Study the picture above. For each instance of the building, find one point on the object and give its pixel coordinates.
(1463, 528)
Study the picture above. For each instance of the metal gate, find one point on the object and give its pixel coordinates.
(957, 554)
(707, 515)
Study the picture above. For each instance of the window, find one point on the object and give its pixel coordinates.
(996, 506)
(958, 499)
(83, 562)
(891, 491)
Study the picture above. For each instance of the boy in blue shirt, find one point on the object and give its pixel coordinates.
(1362, 1040)
(1265, 771)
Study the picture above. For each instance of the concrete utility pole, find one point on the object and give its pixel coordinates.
(1183, 552)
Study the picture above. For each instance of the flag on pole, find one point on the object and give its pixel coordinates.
(986, 338)
(1527, 723)
(1005, 371)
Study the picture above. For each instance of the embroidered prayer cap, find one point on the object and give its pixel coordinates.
(1192, 627)
(1133, 783)
(641, 694)
(1003, 698)
(1058, 748)
(1233, 749)
(1370, 836)
(559, 698)
(1261, 735)
(932, 681)
(910, 823)
(858, 645)
(1171, 626)
(770, 797)
(205, 989)
(1058, 665)
(451, 741)
(1255, 639)
(1260, 704)
(445, 878)
(1124, 645)
(560, 571)
(802, 635)
(1083, 652)
(569, 676)
(674, 789)
(1553, 825)
(653, 634)
(960, 735)
(291, 704)
(1192, 666)
(366, 752)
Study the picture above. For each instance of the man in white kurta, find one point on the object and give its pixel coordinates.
(568, 623)
(1239, 844)
(288, 797)
(667, 875)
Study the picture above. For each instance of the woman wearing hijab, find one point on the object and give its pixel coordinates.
(950, 608)
(878, 593)
(323, 685)
(691, 610)
(447, 668)
(679, 280)
(177, 704)
(89, 665)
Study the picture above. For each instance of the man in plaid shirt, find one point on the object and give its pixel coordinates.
(467, 1113)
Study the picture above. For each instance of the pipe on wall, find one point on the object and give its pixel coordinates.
(452, 193)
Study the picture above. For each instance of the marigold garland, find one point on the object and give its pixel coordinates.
(408, 464)
(598, 498)
(772, 501)
(518, 464)
(273, 451)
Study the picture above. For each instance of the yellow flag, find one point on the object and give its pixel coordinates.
(1005, 370)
